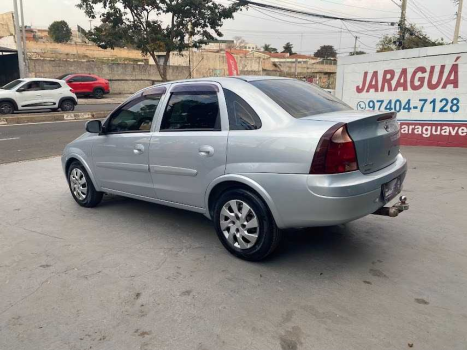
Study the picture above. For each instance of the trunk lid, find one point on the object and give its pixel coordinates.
(376, 136)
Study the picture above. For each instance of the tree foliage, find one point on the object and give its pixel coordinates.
(269, 48)
(152, 25)
(326, 51)
(415, 38)
(60, 32)
(288, 48)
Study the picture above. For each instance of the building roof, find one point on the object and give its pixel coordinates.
(302, 57)
(238, 52)
(276, 54)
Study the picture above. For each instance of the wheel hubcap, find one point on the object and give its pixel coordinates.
(239, 224)
(6, 108)
(78, 184)
(67, 106)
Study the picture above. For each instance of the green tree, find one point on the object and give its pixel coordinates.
(188, 23)
(269, 48)
(415, 38)
(60, 32)
(288, 48)
(357, 53)
(326, 51)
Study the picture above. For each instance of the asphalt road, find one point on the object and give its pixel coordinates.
(131, 275)
(84, 108)
(32, 141)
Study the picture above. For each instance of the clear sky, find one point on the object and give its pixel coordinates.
(437, 17)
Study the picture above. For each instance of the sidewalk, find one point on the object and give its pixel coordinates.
(108, 99)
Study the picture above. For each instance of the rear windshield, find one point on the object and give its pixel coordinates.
(11, 85)
(300, 99)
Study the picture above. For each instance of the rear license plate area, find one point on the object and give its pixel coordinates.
(392, 189)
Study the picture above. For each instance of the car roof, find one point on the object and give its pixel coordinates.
(40, 79)
(220, 80)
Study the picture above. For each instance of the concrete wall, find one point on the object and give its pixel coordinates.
(7, 27)
(82, 51)
(206, 64)
(124, 78)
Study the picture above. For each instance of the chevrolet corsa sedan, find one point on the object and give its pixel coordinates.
(254, 154)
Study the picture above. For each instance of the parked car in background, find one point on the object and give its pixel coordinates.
(87, 84)
(254, 154)
(36, 93)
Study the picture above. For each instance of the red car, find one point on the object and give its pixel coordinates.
(87, 84)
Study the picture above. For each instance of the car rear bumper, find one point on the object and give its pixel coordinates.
(302, 200)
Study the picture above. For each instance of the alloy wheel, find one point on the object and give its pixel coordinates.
(67, 106)
(78, 184)
(239, 224)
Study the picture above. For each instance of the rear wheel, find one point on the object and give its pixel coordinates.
(67, 106)
(98, 93)
(245, 225)
(81, 187)
(6, 108)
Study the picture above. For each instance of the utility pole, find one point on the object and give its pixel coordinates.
(23, 25)
(19, 45)
(458, 23)
(402, 25)
(355, 46)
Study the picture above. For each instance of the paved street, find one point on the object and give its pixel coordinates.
(31, 141)
(84, 108)
(131, 275)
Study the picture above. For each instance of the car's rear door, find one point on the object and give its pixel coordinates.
(121, 153)
(188, 149)
(51, 92)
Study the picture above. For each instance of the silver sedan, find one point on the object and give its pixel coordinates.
(254, 154)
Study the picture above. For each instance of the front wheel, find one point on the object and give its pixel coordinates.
(67, 106)
(245, 225)
(81, 187)
(6, 108)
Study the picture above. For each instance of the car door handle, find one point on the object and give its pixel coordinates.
(139, 149)
(206, 151)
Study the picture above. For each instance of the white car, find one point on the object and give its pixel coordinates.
(35, 93)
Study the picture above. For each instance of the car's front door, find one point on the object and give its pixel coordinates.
(188, 149)
(29, 95)
(121, 153)
(76, 83)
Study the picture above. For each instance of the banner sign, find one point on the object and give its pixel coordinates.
(426, 87)
(231, 64)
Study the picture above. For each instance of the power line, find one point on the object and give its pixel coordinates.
(306, 13)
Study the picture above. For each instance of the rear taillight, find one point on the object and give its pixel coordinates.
(335, 153)
(72, 91)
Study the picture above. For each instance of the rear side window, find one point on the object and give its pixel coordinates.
(241, 115)
(136, 116)
(50, 85)
(300, 99)
(192, 111)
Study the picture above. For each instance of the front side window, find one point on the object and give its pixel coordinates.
(136, 116)
(241, 115)
(300, 99)
(50, 85)
(192, 111)
(32, 86)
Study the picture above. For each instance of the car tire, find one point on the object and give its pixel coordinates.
(7, 108)
(98, 93)
(81, 187)
(249, 232)
(67, 106)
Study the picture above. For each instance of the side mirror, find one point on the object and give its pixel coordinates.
(94, 126)
(21, 90)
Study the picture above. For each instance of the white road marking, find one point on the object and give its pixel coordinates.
(55, 122)
(10, 139)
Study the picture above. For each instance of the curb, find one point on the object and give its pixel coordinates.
(51, 117)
